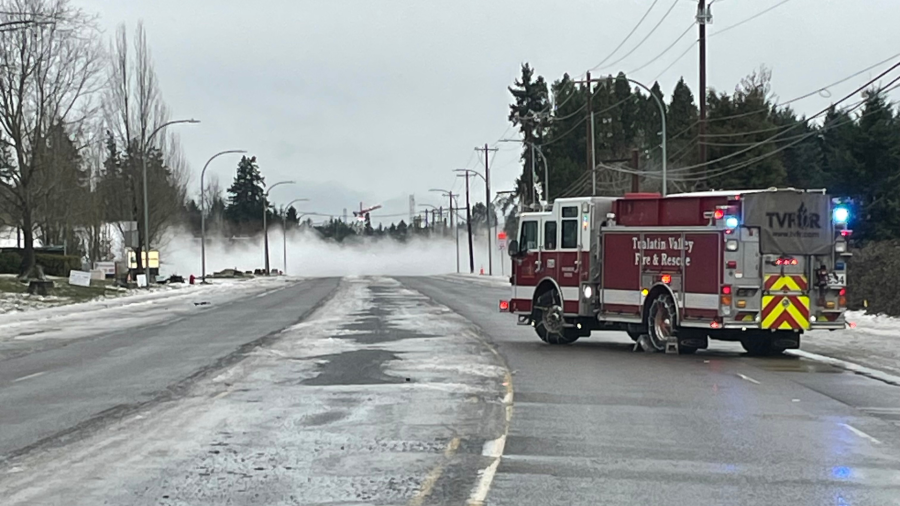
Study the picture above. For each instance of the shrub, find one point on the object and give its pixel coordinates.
(54, 265)
(10, 261)
(873, 278)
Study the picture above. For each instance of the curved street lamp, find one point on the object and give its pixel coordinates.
(284, 230)
(203, 210)
(266, 225)
(149, 138)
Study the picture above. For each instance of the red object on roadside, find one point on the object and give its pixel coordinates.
(192, 279)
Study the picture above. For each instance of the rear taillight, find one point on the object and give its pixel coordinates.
(731, 264)
(504, 305)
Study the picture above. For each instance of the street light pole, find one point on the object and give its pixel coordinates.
(203, 211)
(284, 230)
(662, 115)
(149, 138)
(265, 225)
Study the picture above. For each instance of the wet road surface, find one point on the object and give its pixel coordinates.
(417, 391)
(48, 395)
(595, 423)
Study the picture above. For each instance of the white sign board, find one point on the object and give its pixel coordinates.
(502, 244)
(80, 278)
(141, 280)
(108, 268)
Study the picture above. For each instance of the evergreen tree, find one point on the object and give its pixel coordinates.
(291, 218)
(682, 126)
(245, 203)
(530, 99)
(877, 151)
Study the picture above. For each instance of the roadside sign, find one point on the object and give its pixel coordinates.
(79, 278)
(108, 268)
(154, 259)
(501, 240)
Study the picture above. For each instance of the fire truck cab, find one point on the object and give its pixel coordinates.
(755, 266)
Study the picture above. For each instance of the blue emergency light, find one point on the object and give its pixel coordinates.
(731, 221)
(841, 215)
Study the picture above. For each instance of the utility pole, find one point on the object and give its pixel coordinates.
(703, 17)
(469, 226)
(635, 177)
(491, 216)
(591, 157)
(590, 144)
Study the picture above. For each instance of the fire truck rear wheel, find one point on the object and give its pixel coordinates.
(549, 321)
(761, 347)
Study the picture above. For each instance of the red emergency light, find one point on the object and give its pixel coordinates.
(786, 261)
(846, 233)
(504, 305)
(719, 214)
(666, 278)
(726, 290)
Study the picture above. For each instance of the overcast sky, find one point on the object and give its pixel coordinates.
(375, 100)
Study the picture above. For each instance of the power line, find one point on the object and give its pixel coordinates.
(682, 55)
(652, 31)
(629, 35)
(796, 99)
(666, 50)
(792, 127)
(751, 18)
(740, 165)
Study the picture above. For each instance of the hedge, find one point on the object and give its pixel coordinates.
(873, 277)
(54, 265)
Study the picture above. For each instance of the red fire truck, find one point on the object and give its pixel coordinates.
(759, 267)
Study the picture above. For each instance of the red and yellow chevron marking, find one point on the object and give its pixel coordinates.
(787, 283)
(785, 312)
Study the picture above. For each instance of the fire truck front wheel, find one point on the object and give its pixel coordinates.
(549, 321)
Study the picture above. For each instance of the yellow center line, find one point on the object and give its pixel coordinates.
(434, 475)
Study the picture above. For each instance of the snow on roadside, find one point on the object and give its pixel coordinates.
(481, 279)
(875, 342)
(104, 315)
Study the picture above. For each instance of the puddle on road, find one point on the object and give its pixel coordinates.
(796, 365)
(359, 367)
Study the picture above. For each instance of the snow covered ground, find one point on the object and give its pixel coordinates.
(21, 331)
(875, 342)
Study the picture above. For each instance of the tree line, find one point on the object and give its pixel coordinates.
(752, 141)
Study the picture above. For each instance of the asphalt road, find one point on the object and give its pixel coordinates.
(56, 394)
(417, 391)
(595, 423)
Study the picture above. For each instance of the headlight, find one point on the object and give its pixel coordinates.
(587, 291)
(731, 245)
(840, 247)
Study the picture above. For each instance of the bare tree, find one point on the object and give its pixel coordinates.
(133, 109)
(49, 75)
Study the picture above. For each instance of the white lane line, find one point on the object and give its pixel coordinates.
(493, 449)
(850, 366)
(748, 378)
(860, 433)
(23, 378)
(262, 295)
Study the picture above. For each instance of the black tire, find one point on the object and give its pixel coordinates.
(760, 347)
(634, 332)
(661, 321)
(548, 319)
(686, 350)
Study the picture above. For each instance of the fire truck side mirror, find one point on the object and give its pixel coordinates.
(513, 248)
